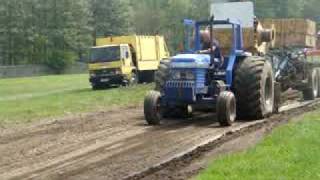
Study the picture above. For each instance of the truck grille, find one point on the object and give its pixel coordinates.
(180, 84)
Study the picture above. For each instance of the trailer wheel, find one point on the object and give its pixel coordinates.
(226, 108)
(277, 97)
(318, 76)
(152, 108)
(254, 88)
(312, 89)
(161, 75)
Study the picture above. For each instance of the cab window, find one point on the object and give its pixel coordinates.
(105, 54)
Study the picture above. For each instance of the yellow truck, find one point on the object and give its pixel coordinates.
(125, 60)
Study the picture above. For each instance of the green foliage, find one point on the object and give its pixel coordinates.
(110, 17)
(287, 8)
(165, 17)
(59, 60)
(37, 31)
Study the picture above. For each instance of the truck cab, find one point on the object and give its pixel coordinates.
(111, 64)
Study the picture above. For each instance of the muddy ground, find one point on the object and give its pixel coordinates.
(108, 145)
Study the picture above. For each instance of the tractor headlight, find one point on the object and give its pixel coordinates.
(176, 75)
(187, 75)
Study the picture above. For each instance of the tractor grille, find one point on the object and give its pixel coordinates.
(180, 84)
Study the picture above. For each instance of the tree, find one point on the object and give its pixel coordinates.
(12, 31)
(110, 17)
(165, 17)
(57, 32)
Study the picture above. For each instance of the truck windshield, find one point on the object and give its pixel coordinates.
(105, 54)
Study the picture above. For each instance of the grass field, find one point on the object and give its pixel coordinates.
(28, 99)
(290, 152)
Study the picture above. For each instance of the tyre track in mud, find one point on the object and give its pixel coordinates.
(111, 145)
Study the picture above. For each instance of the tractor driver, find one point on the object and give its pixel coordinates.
(217, 58)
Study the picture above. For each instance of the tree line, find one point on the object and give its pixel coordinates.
(58, 32)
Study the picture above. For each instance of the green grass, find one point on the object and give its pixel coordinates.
(290, 152)
(29, 99)
(26, 87)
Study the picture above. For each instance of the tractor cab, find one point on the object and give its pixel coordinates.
(221, 63)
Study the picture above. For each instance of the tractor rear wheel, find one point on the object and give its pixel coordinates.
(254, 88)
(152, 108)
(161, 76)
(226, 108)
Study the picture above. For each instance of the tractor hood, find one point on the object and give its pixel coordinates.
(190, 61)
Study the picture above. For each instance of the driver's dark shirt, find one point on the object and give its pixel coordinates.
(215, 43)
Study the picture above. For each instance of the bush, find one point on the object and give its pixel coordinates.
(59, 60)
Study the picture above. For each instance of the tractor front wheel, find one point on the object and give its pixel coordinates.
(226, 108)
(152, 108)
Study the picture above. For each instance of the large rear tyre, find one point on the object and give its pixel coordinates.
(312, 90)
(162, 75)
(226, 108)
(152, 108)
(254, 88)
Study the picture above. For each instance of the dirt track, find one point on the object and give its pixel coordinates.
(107, 145)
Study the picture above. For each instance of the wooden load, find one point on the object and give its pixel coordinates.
(256, 39)
(293, 32)
(225, 37)
(285, 33)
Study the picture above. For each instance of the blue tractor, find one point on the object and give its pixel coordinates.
(239, 86)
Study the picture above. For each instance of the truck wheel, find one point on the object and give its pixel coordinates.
(98, 86)
(134, 79)
(152, 108)
(146, 76)
(161, 76)
(226, 108)
(312, 89)
(254, 88)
